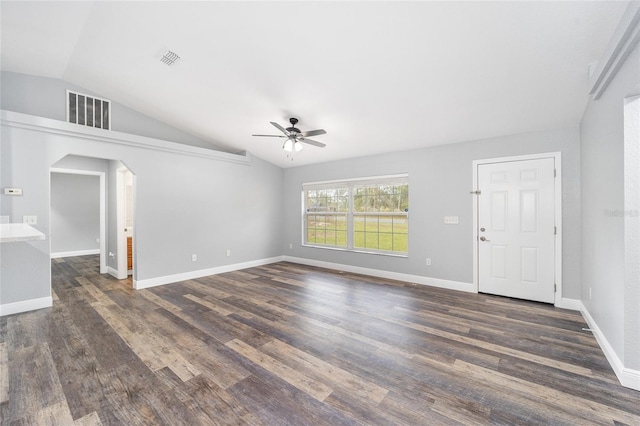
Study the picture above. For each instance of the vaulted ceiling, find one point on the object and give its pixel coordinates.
(378, 76)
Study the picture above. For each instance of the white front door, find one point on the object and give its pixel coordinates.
(516, 229)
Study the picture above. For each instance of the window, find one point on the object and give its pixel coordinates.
(367, 215)
(88, 110)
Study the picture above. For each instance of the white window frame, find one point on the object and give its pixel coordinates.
(350, 185)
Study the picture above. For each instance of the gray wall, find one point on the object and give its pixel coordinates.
(45, 97)
(440, 179)
(75, 212)
(603, 249)
(184, 204)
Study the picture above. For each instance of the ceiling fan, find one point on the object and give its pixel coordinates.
(294, 136)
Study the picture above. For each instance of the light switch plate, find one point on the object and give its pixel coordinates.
(451, 220)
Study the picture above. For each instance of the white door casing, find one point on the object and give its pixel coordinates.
(124, 219)
(516, 222)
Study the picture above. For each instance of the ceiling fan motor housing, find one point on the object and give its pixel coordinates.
(293, 128)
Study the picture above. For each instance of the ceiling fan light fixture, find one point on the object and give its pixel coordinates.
(294, 139)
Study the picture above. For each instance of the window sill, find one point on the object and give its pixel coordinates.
(379, 253)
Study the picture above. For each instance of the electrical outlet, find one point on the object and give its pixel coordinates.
(290, 246)
(30, 220)
(194, 257)
(228, 253)
(589, 293)
(97, 240)
(428, 261)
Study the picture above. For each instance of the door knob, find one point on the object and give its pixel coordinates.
(483, 239)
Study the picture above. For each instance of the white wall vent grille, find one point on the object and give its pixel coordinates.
(88, 110)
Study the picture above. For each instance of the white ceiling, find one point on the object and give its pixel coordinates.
(378, 76)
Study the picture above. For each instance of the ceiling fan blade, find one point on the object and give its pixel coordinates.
(311, 142)
(313, 133)
(272, 136)
(279, 127)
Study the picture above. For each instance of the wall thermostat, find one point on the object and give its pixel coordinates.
(13, 191)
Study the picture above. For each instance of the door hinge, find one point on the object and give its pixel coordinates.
(555, 173)
(478, 192)
(555, 288)
(555, 230)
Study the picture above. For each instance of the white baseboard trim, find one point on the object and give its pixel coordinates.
(74, 253)
(112, 272)
(628, 378)
(572, 304)
(25, 305)
(168, 279)
(416, 279)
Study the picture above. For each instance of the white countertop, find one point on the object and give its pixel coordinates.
(14, 232)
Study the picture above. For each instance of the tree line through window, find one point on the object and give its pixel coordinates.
(369, 215)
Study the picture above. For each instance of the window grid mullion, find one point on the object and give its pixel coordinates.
(350, 226)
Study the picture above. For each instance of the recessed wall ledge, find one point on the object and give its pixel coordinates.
(32, 122)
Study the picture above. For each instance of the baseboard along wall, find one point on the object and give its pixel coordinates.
(25, 306)
(74, 253)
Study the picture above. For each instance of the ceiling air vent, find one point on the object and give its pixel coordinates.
(88, 110)
(169, 58)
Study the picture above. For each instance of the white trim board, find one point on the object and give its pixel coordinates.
(113, 272)
(557, 156)
(397, 276)
(74, 253)
(628, 378)
(570, 304)
(25, 305)
(168, 279)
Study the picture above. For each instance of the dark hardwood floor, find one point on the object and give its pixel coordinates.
(286, 344)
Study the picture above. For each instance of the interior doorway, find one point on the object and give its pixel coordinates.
(102, 239)
(517, 248)
(125, 181)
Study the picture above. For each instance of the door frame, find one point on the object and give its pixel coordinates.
(557, 214)
(121, 238)
(103, 209)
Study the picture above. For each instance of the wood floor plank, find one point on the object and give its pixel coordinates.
(151, 348)
(76, 364)
(39, 394)
(201, 352)
(219, 306)
(284, 404)
(312, 387)
(327, 373)
(581, 410)
(286, 344)
(91, 419)
(4, 373)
